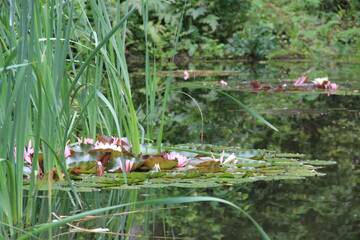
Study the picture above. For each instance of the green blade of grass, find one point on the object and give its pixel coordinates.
(249, 110)
(98, 47)
(176, 200)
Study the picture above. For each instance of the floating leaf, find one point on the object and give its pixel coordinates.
(163, 163)
(114, 150)
(208, 164)
(82, 163)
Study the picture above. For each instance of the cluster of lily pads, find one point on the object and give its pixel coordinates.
(302, 83)
(103, 162)
(113, 154)
(320, 83)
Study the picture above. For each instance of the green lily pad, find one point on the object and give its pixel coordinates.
(81, 163)
(164, 164)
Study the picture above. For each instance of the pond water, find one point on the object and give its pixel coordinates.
(322, 126)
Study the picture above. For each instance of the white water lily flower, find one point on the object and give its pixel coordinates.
(156, 167)
(105, 146)
(182, 160)
(228, 160)
(320, 81)
(88, 141)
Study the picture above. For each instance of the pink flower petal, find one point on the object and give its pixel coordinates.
(333, 86)
(85, 141)
(99, 169)
(28, 153)
(128, 165)
(186, 75)
(300, 81)
(67, 151)
(182, 160)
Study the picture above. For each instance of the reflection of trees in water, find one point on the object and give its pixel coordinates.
(325, 206)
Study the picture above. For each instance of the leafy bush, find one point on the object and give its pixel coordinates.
(255, 42)
(257, 29)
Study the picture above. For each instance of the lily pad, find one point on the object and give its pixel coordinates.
(81, 163)
(163, 163)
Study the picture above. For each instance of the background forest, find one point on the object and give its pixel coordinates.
(257, 29)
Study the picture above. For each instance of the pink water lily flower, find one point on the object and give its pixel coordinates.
(85, 141)
(333, 86)
(128, 165)
(67, 151)
(300, 81)
(123, 142)
(116, 140)
(28, 153)
(99, 169)
(181, 159)
(186, 75)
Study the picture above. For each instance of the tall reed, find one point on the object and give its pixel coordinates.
(62, 72)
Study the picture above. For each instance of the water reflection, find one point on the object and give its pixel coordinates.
(324, 127)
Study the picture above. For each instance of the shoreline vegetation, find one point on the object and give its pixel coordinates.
(253, 30)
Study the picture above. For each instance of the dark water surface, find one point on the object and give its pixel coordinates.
(321, 126)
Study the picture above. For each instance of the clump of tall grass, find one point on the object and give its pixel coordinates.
(63, 72)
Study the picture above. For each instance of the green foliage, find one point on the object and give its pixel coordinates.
(63, 74)
(336, 5)
(205, 26)
(252, 29)
(254, 42)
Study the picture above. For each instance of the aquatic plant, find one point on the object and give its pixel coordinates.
(52, 85)
(196, 166)
(320, 83)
